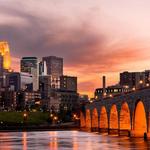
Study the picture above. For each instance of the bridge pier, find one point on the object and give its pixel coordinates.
(103, 130)
(148, 133)
(94, 129)
(137, 134)
(87, 129)
(147, 136)
(124, 133)
(113, 131)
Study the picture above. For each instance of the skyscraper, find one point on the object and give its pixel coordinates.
(42, 68)
(18, 81)
(30, 65)
(27, 63)
(5, 52)
(68, 83)
(54, 65)
(1, 66)
(1, 71)
(133, 79)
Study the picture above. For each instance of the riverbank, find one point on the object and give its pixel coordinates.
(68, 126)
(32, 121)
(18, 118)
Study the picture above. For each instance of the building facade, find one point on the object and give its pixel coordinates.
(42, 68)
(68, 83)
(54, 65)
(19, 81)
(27, 99)
(45, 86)
(30, 65)
(134, 79)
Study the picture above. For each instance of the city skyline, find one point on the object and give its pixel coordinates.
(105, 42)
(74, 74)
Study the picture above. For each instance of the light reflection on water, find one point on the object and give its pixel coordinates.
(66, 140)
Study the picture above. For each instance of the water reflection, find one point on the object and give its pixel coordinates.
(68, 140)
(74, 140)
(53, 145)
(4, 140)
(24, 140)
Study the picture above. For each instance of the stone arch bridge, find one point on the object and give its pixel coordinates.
(127, 114)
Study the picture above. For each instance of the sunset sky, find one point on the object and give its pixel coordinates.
(95, 37)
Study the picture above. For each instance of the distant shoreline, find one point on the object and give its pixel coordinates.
(37, 128)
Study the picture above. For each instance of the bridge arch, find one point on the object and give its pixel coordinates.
(124, 118)
(95, 118)
(113, 120)
(88, 119)
(103, 123)
(82, 120)
(139, 122)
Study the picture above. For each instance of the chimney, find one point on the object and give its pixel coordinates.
(104, 84)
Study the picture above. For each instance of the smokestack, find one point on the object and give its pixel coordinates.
(104, 84)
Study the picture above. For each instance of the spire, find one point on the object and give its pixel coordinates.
(5, 52)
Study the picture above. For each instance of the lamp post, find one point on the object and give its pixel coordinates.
(133, 89)
(51, 115)
(55, 119)
(141, 84)
(76, 119)
(25, 116)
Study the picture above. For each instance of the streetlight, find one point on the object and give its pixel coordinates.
(75, 117)
(25, 116)
(141, 84)
(141, 81)
(126, 87)
(51, 115)
(104, 94)
(55, 118)
(111, 95)
(133, 88)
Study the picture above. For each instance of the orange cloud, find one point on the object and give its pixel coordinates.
(91, 67)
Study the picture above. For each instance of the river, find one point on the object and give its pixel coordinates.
(68, 140)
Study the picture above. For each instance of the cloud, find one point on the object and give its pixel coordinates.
(71, 30)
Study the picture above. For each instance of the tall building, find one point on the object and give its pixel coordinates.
(30, 65)
(1, 71)
(69, 101)
(26, 99)
(126, 79)
(68, 83)
(42, 68)
(1, 66)
(133, 79)
(27, 63)
(19, 81)
(5, 52)
(45, 86)
(147, 76)
(54, 65)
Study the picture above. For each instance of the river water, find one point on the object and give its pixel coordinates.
(68, 140)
